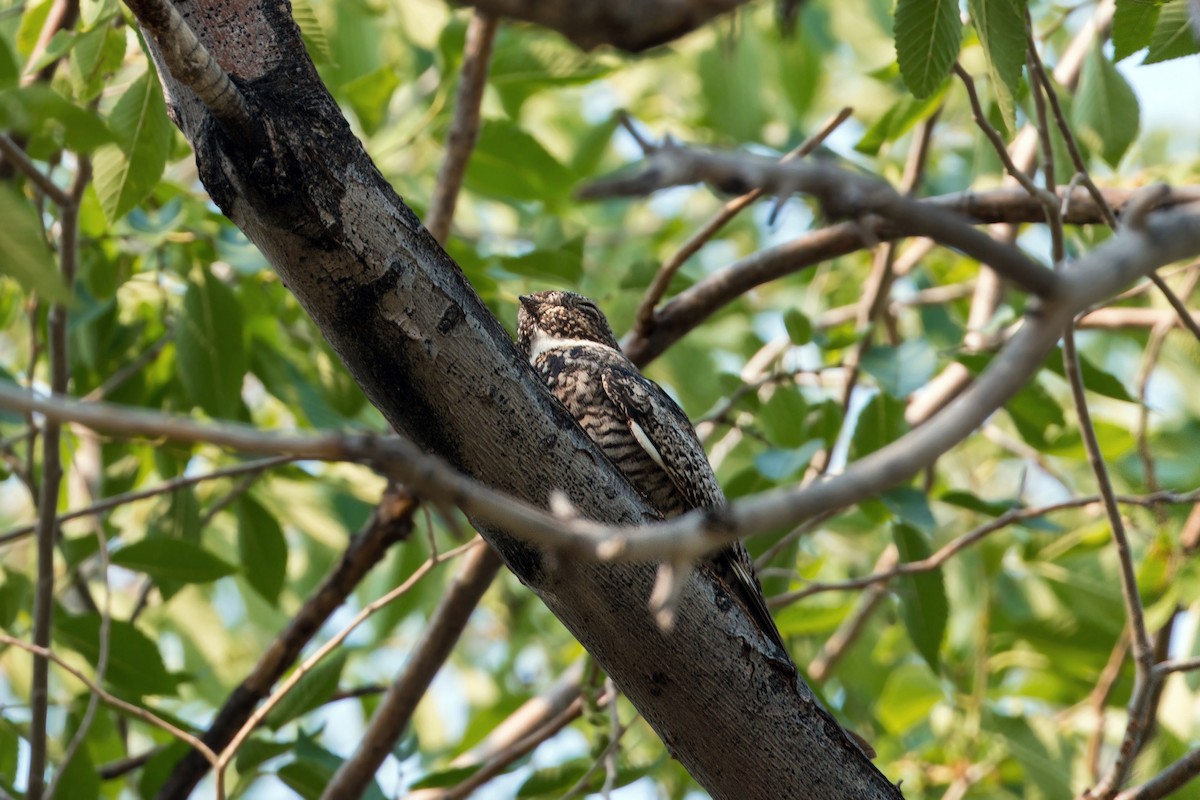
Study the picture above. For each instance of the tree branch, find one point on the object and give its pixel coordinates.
(842, 193)
(392, 521)
(632, 25)
(396, 707)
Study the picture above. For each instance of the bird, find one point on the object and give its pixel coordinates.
(642, 431)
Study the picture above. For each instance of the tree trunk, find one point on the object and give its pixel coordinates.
(444, 372)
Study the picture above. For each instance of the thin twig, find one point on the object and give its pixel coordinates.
(10, 150)
(843, 193)
(390, 522)
(503, 759)
(110, 700)
(395, 709)
(464, 127)
(230, 750)
(101, 667)
(957, 545)
(52, 473)
(166, 487)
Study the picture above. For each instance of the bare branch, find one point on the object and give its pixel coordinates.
(390, 522)
(464, 127)
(843, 193)
(1169, 236)
(11, 151)
(52, 473)
(632, 25)
(692, 306)
(261, 712)
(644, 317)
(110, 700)
(166, 487)
(1168, 781)
(437, 640)
(190, 63)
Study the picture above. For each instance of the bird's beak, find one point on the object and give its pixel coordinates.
(529, 304)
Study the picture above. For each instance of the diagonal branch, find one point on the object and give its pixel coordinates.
(841, 192)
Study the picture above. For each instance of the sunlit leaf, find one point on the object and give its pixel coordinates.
(261, 549)
(210, 349)
(1174, 36)
(1106, 108)
(165, 558)
(24, 256)
(922, 596)
(126, 171)
(928, 35)
(1133, 25)
(1001, 28)
(134, 663)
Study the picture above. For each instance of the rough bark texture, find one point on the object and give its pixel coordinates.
(443, 371)
(632, 25)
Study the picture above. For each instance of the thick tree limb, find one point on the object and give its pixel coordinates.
(431, 357)
(697, 303)
(632, 25)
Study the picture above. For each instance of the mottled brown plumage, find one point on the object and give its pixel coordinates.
(637, 425)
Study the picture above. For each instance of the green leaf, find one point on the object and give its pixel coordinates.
(902, 370)
(1106, 108)
(555, 780)
(79, 780)
(730, 75)
(799, 326)
(779, 465)
(126, 171)
(451, 776)
(32, 22)
(1038, 417)
(782, 417)
(922, 596)
(1133, 25)
(60, 44)
(257, 750)
(9, 71)
(369, 96)
(509, 163)
(134, 663)
(209, 347)
(1094, 379)
(909, 695)
(316, 40)
(97, 54)
(1001, 28)
(900, 119)
(262, 549)
(880, 423)
(1173, 36)
(311, 691)
(928, 35)
(38, 109)
(165, 558)
(1049, 770)
(16, 594)
(910, 506)
(24, 256)
(562, 263)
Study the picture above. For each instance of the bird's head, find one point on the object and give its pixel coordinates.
(552, 319)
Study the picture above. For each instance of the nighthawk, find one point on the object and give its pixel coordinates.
(641, 429)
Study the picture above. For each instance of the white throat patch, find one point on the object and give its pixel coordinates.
(542, 343)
